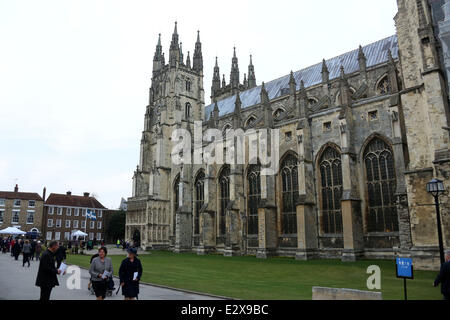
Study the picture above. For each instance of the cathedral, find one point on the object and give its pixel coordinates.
(359, 136)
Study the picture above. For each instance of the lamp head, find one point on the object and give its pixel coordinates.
(435, 187)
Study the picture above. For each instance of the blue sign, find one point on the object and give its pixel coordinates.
(404, 268)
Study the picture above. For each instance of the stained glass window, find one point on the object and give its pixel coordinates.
(254, 197)
(199, 199)
(224, 184)
(381, 186)
(289, 180)
(331, 190)
(176, 200)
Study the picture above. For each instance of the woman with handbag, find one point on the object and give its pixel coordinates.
(99, 267)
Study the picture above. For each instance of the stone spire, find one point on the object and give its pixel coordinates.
(224, 83)
(392, 73)
(267, 109)
(181, 54)
(188, 60)
(251, 75)
(303, 101)
(344, 89)
(292, 84)
(174, 44)
(245, 81)
(216, 111)
(325, 72)
(198, 56)
(175, 53)
(362, 60)
(158, 62)
(237, 112)
(158, 51)
(234, 75)
(264, 95)
(216, 80)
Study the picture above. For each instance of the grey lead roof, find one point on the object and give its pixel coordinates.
(375, 53)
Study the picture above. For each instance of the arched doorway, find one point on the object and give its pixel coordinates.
(136, 237)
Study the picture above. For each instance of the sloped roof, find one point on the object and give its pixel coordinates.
(375, 53)
(20, 195)
(73, 201)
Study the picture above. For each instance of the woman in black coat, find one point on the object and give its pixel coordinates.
(128, 268)
(16, 250)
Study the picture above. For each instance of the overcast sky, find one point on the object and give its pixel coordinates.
(75, 74)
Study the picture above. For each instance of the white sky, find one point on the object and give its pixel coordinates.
(74, 75)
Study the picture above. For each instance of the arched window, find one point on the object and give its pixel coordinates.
(250, 121)
(224, 199)
(278, 113)
(225, 129)
(188, 85)
(312, 102)
(384, 87)
(188, 111)
(199, 199)
(254, 198)
(381, 185)
(176, 200)
(289, 181)
(331, 190)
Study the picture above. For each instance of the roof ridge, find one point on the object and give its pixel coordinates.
(296, 72)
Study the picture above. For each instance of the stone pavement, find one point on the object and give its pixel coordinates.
(17, 283)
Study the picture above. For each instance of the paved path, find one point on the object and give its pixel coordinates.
(17, 283)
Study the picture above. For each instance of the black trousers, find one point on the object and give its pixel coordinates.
(26, 259)
(45, 293)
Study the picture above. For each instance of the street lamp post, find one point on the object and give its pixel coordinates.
(436, 188)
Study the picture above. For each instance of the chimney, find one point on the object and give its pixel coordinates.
(44, 193)
(86, 194)
(16, 188)
(69, 193)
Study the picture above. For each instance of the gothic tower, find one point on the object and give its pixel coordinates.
(426, 120)
(176, 101)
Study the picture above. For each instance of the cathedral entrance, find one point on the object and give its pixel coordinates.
(136, 238)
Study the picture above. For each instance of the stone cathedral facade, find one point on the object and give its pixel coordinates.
(360, 136)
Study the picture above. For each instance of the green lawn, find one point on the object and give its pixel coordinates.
(276, 278)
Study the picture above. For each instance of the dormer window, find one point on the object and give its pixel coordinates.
(225, 130)
(251, 121)
(384, 86)
(312, 102)
(278, 113)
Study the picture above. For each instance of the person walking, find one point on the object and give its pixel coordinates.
(47, 274)
(38, 250)
(130, 273)
(117, 243)
(60, 255)
(16, 250)
(26, 251)
(99, 266)
(443, 277)
(33, 248)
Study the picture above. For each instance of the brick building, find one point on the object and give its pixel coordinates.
(23, 210)
(64, 213)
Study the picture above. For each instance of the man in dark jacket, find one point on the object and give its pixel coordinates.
(46, 277)
(60, 255)
(444, 277)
